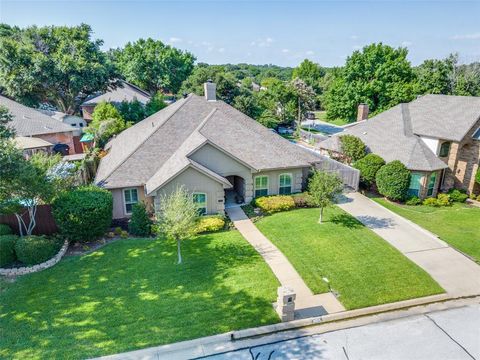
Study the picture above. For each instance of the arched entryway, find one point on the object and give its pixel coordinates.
(235, 196)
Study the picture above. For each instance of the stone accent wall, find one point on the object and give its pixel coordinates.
(463, 162)
(35, 268)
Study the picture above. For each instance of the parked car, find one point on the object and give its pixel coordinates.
(310, 115)
(284, 130)
(63, 149)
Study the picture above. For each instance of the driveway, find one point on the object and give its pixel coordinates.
(456, 273)
(443, 335)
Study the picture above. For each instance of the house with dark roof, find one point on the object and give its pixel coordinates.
(437, 137)
(123, 91)
(37, 131)
(218, 153)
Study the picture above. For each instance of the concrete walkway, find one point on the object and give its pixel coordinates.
(307, 304)
(456, 273)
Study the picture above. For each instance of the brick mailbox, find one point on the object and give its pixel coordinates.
(286, 303)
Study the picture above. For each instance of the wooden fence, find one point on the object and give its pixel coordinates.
(350, 176)
(45, 223)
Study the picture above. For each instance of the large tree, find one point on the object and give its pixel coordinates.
(55, 63)
(311, 73)
(378, 75)
(154, 66)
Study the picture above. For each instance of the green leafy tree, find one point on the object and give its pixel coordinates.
(153, 66)
(59, 63)
(106, 122)
(155, 104)
(6, 130)
(133, 111)
(393, 180)
(247, 104)
(323, 187)
(436, 76)
(310, 73)
(176, 217)
(353, 148)
(378, 75)
(279, 99)
(369, 166)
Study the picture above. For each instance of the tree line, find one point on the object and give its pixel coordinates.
(63, 66)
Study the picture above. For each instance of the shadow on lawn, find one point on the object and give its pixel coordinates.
(346, 220)
(130, 295)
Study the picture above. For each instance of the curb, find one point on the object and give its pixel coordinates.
(39, 267)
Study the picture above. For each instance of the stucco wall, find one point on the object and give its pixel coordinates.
(195, 181)
(119, 205)
(59, 138)
(274, 179)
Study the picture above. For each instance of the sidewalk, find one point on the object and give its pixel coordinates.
(307, 304)
(456, 273)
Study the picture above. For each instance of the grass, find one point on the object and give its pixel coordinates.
(131, 294)
(363, 268)
(322, 115)
(458, 225)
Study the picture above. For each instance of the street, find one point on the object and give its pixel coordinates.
(449, 334)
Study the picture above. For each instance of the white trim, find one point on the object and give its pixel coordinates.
(255, 184)
(291, 181)
(206, 200)
(125, 202)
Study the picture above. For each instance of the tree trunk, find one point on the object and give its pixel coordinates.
(179, 252)
(320, 219)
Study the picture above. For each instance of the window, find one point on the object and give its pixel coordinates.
(130, 198)
(444, 149)
(261, 186)
(431, 183)
(200, 199)
(414, 188)
(476, 134)
(285, 186)
(81, 124)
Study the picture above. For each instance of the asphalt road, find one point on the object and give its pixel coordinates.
(444, 335)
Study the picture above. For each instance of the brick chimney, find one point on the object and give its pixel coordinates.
(362, 112)
(210, 90)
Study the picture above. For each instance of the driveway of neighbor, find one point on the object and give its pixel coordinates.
(306, 304)
(455, 272)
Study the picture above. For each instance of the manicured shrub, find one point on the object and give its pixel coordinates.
(124, 234)
(5, 229)
(32, 250)
(369, 166)
(209, 224)
(443, 200)
(353, 148)
(7, 249)
(414, 200)
(458, 195)
(140, 223)
(118, 230)
(478, 198)
(303, 200)
(83, 214)
(472, 196)
(273, 204)
(430, 202)
(393, 180)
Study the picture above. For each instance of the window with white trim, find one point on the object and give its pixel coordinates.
(415, 184)
(444, 149)
(285, 184)
(261, 185)
(130, 198)
(200, 199)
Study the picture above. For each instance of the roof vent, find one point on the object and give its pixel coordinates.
(210, 90)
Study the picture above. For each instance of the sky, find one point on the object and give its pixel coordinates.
(269, 32)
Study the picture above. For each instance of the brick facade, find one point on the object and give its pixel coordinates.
(463, 161)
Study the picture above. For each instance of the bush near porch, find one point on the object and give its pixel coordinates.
(360, 265)
(130, 294)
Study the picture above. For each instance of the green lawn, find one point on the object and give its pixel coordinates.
(322, 115)
(131, 294)
(458, 225)
(360, 265)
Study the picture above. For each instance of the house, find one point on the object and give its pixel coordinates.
(219, 154)
(437, 137)
(32, 123)
(124, 91)
(74, 121)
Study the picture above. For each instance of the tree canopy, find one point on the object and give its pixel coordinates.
(58, 63)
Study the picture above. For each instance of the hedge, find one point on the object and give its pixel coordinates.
(458, 195)
(32, 250)
(5, 230)
(393, 180)
(369, 166)
(83, 214)
(273, 204)
(7, 249)
(209, 224)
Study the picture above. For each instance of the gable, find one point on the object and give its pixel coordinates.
(193, 180)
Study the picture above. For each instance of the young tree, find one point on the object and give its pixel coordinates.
(176, 217)
(154, 66)
(60, 63)
(323, 187)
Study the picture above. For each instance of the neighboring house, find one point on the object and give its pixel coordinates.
(29, 122)
(212, 149)
(74, 121)
(437, 137)
(124, 91)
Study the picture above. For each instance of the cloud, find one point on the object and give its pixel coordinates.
(173, 40)
(354, 37)
(221, 50)
(406, 43)
(285, 51)
(310, 52)
(261, 43)
(473, 36)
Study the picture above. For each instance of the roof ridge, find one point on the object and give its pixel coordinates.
(407, 120)
(144, 140)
